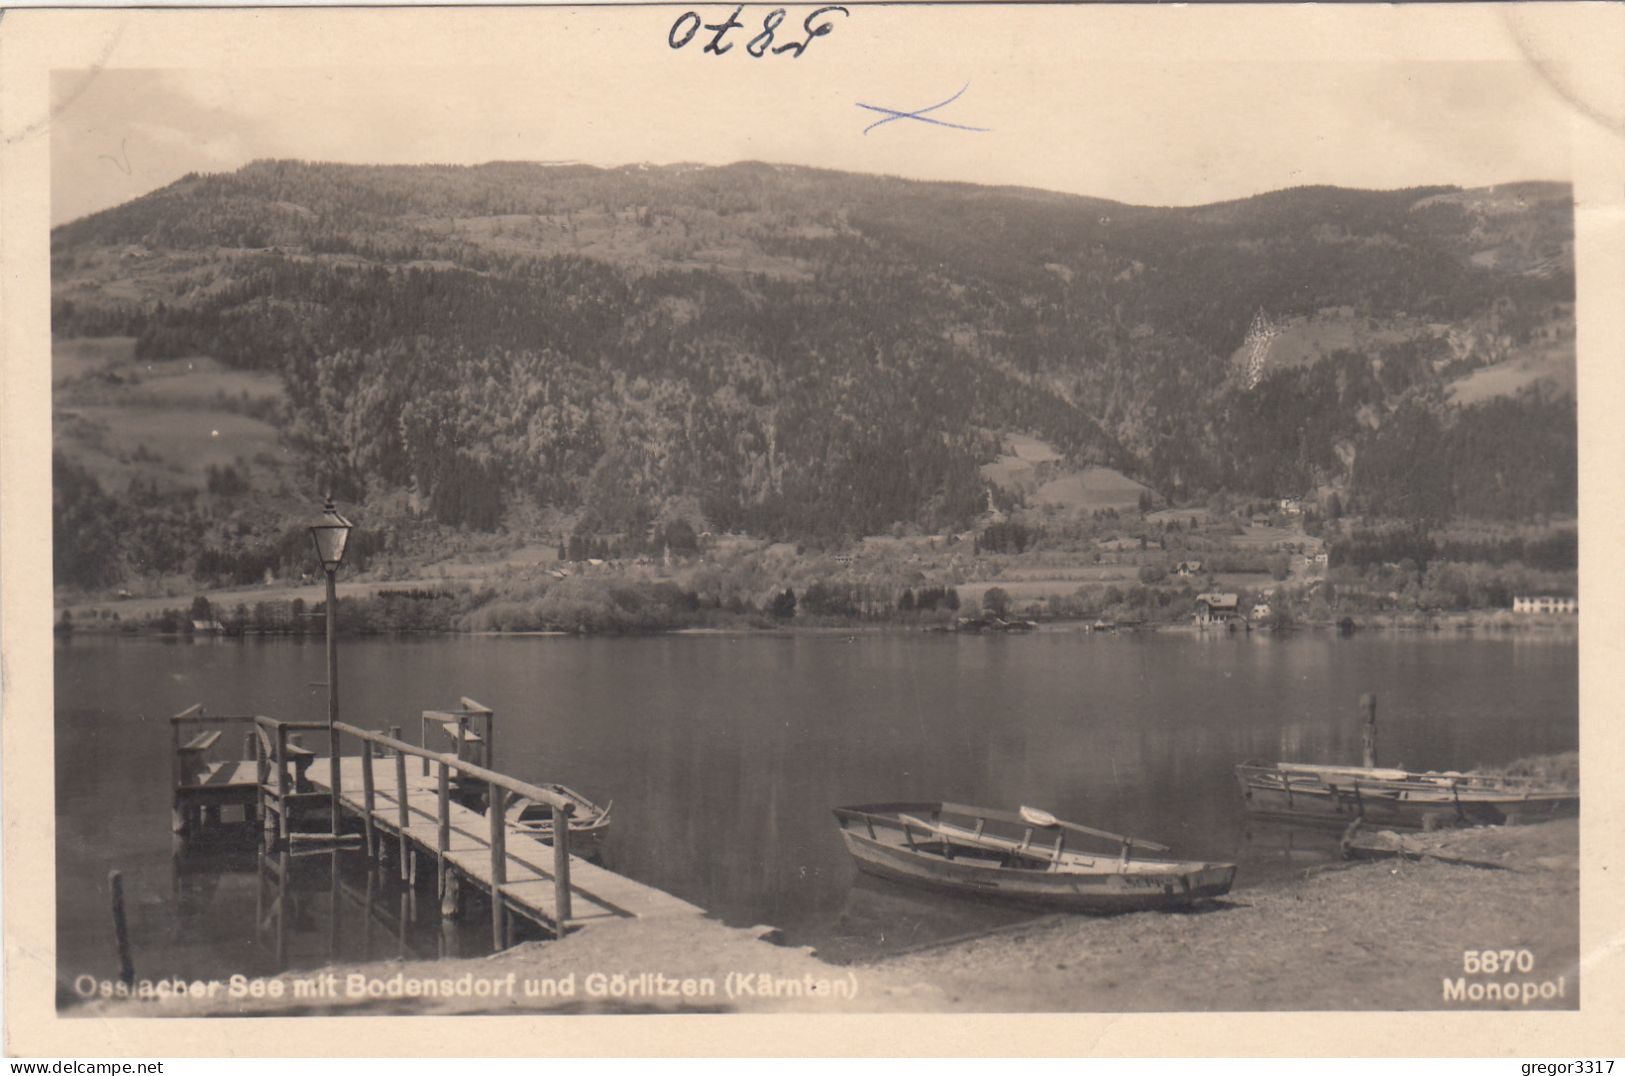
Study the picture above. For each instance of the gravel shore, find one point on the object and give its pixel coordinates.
(1387, 933)
(1384, 934)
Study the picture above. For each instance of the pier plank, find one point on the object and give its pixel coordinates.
(598, 896)
(227, 775)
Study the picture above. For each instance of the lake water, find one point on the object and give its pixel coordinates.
(723, 755)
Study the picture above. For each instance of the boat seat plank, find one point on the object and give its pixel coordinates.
(1015, 818)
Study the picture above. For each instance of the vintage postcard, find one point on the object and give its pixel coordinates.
(1099, 515)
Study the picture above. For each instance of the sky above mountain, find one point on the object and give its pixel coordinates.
(1181, 125)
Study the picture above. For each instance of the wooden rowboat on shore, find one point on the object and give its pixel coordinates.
(1021, 857)
(1399, 798)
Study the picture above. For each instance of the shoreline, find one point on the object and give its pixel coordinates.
(1389, 933)
(1476, 622)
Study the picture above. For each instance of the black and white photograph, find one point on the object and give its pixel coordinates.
(819, 510)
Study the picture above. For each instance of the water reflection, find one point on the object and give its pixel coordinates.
(1276, 847)
(260, 912)
(724, 755)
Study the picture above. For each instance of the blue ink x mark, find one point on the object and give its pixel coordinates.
(920, 114)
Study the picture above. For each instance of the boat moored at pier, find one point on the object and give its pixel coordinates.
(588, 821)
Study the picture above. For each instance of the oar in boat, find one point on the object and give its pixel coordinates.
(954, 834)
(1038, 817)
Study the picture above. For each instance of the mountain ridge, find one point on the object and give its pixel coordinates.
(804, 351)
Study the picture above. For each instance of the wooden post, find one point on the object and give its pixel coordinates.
(1368, 741)
(561, 869)
(368, 802)
(262, 776)
(366, 919)
(250, 747)
(280, 952)
(443, 836)
(401, 815)
(175, 754)
(395, 734)
(423, 739)
(333, 693)
(333, 929)
(259, 898)
(499, 864)
(121, 932)
(490, 762)
(262, 765)
(451, 897)
(177, 815)
(281, 761)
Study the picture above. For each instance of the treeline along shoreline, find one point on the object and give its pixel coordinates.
(1474, 595)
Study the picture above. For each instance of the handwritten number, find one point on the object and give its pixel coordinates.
(689, 23)
(796, 48)
(765, 38)
(722, 29)
(671, 37)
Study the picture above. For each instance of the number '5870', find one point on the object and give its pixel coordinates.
(1497, 961)
(689, 24)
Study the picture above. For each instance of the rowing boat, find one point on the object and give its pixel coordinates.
(1021, 857)
(588, 821)
(1392, 797)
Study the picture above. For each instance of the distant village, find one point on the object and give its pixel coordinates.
(1270, 566)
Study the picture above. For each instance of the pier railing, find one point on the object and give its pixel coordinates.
(288, 788)
(500, 787)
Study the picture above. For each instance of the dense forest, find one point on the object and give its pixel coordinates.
(806, 353)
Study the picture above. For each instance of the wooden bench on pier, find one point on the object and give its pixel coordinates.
(200, 787)
(193, 756)
(470, 744)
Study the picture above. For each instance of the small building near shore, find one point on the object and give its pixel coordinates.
(1212, 608)
(1546, 603)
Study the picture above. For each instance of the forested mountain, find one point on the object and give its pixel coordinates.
(811, 353)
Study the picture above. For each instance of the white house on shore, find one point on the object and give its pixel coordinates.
(1546, 603)
(1215, 608)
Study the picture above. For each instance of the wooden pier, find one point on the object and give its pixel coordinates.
(410, 814)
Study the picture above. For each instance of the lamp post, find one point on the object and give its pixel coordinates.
(330, 533)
